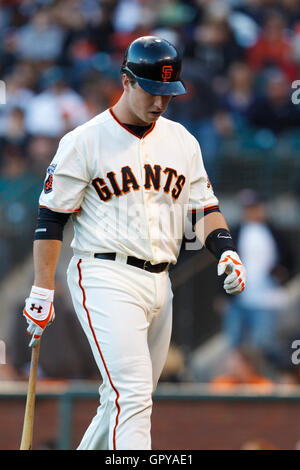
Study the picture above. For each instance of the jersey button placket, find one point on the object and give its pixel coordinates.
(146, 195)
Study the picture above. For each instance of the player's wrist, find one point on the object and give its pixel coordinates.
(219, 241)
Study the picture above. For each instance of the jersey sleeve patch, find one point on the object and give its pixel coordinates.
(48, 184)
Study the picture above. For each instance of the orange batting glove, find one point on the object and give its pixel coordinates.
(231, 265)
(39, 312)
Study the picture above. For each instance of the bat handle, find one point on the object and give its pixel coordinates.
(26, 441)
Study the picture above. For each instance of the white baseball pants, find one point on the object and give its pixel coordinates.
(126, 314)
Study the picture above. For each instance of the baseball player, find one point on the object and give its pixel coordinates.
(129, 178)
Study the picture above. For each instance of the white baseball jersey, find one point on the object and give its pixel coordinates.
(127, 194)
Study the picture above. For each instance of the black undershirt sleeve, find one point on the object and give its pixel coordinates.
(195, 215)
(50, 224)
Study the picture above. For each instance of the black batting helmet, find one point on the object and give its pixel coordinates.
(155, 64)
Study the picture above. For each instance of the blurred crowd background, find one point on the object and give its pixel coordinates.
(60, 62)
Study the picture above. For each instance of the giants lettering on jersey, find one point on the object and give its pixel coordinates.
(155, 178)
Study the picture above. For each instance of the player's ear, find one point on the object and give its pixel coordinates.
(128, 81)
(125, 81)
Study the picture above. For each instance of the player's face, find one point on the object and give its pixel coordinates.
(144, 107)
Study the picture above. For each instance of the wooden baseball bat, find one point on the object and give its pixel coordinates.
(26, 442)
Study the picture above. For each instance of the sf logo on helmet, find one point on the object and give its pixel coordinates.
(167, 72)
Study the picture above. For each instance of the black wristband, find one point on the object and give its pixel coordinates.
(218, 241)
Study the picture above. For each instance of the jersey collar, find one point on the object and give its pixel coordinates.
(129, 130)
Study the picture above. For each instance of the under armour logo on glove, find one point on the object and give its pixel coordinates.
(231, 265)
(39, 309)
(39, 312)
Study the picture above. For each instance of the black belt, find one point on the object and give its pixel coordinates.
(138, 263)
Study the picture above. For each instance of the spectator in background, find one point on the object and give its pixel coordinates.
(40, 39)
(101, 30)
(17, 189)
(175, 368)
(255, 9)
(291, 10)
(7, 51)
(245, 366)
(127, 15)
(252, 318)
(175, 13)
(14, 173)
(214, 48)
(240, 94)
(40, 151)
(273, 47)
(100, 92)
(274, 110)
(58, 109)
(18, 95)
(14, 128)
(78, 46)
(26, 75)
(259, 10)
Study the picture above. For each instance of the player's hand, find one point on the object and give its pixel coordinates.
(231, 265)
(39, 312)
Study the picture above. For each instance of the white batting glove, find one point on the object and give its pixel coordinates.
(39, 312)
(231, 265)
